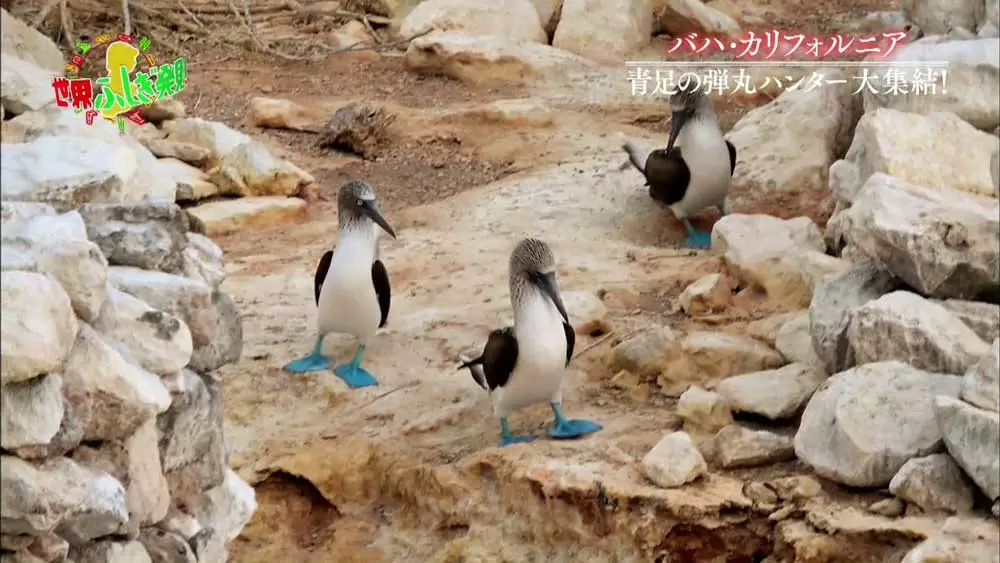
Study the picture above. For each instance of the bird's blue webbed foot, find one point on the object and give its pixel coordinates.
(506, 438)
(353, 374)
(696, 238)
(315, 361)
(565, 429)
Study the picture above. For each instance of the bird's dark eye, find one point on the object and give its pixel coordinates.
(361, 203)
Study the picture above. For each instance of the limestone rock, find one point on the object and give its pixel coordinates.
(982, 382)
(285, 114)
(163, 110)
(982, 318)
(189, 153)
(888, 507)
(123, 395)
(17, 211)
(148, 234)
(227, 216)
(703, 411)
(26, 87)
(680, 17)
(192, 449)
(959, 541)
(213, 136)
(166, 547)
(490, 60)
(610, 29)
(516, 20)
(32, 411)
(135, 463)
(24, 42)
(794, 341)
(80, 504)
(772, 154)
(776, 394)
(228, 507)
(226, 345)
(251, 169)
(189, 300)
(159, 342)
(737, 446)
(89, 170)
(203, 260)
(972, 436)
(936, 17)
(833, 304)
(37, 325)
(766, 329)
(704, 358)
(674, 461)
(783, 258)
(49, 547)
(108, 551)
(933, 483)
(707, 294)
(862, 425)
(192, 183)
(548, 14)
(906, 327)
(643, 352)
(973, 67)
(586, 311)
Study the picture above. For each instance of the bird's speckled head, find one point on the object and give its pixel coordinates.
(353, 191)
(689, 99)
(532, 256)
(356, 203)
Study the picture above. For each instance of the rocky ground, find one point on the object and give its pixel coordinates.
(821, 386)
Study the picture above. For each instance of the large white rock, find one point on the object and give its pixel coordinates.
(148, 234)
(32, 411)
(794, 341)
(971, 88)
(228, 507)
(862, 425)
(159, 341)
(604, 29)
(905, 327)
(123, 394)
(960, 540)
(251, 169)
(704, 358)
(192, 183)
(972, 436)
(775, 394)
(703, 411)
(738, 446)
(37, 325)
(211, 135)
(25, 86)
(203, 260)
(940, 242)
(982, 318)
(982, 381)
(938, 17)
(231, 215)
(26, 43)
(60, 247)
(490, 60)
(785, 148)
(108, 551)
(680, 17)
(784, 258)
(188, 299)
(933, 483)
(88, 170)
(516, 20)
(674, 461)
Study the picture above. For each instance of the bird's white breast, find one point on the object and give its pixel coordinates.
(347, 301)
(707, 157)
(541, 358)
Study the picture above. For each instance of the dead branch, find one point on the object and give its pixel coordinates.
(190, 14)
(126, 17)
(371, 29)
(46, 10)
(64, 20)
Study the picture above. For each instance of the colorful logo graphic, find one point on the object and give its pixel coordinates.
(121, 88)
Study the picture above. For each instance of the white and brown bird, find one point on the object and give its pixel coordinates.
(696, 173)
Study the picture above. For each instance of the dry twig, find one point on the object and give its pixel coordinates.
(190, 14)
(64, 20)
(46, 10)
(126, 17)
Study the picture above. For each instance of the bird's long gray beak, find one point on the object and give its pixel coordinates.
(547, 283)
(371, 210)
(677, 120)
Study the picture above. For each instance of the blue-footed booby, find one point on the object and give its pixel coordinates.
(351, 284)
(693, 175)
(524, 364)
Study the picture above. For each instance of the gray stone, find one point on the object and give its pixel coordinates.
(146, 234)
(862, 425)
(674, 461)
(107, 551)
(32, 412)
(26, 87)
(982, 318)
(737, 446)
(832, 305)
(644, 352)
(776, 394)
(159, 341)
(933, 483)
(26, 43)
(190, 300)
(972, 436)
(228, 507)
(203, 261)
(982, 382)
(227, 343)
(14, 211)
(703, 411)
(37, 325)
(166, 547)
(794, 341)
(906, 327)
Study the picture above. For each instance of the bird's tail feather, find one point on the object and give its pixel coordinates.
(636, 155)
(475, 366)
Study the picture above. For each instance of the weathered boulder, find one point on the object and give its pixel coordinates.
(794, 341)
(905, 327)
(933, 483)
(108, 551)
(32, 412)
(12, 212)
(680, 17)
(159, 342)
(706, 294)
(166, 547)
(738, 446)
(227, 216)
(703, 411)
(862, 425)
(704, 358)
(673, 461)
(78, 503)
(38, 326)
(604, 30)
(972, 436)
(215, 137)
(226, 344)
(982, 380)
(250, 169)
(982, 318)
(227, 506)
(516, 20)
(973, 79)
(24, 42)
(26, 87)
(192, 183)
(189, 300)
(960, 540)
(940, 242)
(203, 260)
(938, 18)
(783, 258)
(644, 352)
(785, 148)
(276, 113)
(189, 153)
(148, 234)
(775, 394)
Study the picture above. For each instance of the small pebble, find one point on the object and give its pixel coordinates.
(889, 507)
